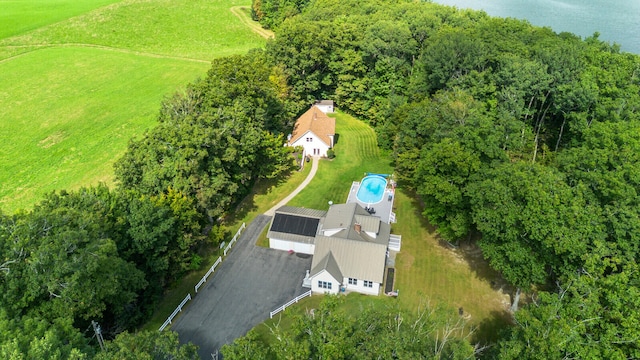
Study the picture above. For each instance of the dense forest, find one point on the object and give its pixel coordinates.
(522, 138)
(107, 255)
(516, 137)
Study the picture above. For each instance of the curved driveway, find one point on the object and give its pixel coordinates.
(307, 180)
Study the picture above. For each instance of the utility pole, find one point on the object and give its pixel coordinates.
(98, 331)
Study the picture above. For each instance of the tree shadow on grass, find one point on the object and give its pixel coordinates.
(469, 252)
(417, 205)
(466, 250)
(490, 330)
(248, 203)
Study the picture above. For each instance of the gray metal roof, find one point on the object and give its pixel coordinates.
(383, 235)
(369, 223)
(291, 237)
(340, 216)
(345, 216)
(329, 263)
(355, 259)
(312, 213)
(324, 102)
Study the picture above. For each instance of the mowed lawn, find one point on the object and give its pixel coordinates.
(357, 152)
(196, 29)
(19, 16)
(426, 271)
(74, 92)
(65, 121)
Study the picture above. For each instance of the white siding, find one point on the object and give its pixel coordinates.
(371, 234)
(309, 146)
(359, 287)
(286, 245)
(325, 108)
(331, 232)
(326, 277)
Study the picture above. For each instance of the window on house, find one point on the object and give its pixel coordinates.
(309, 139)
(353, 281)
(368, 284)
(324, 285)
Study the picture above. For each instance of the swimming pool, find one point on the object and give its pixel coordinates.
(371, 189)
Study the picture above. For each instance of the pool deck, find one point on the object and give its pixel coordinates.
(383, 208)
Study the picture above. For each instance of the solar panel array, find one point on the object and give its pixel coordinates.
(292, 224)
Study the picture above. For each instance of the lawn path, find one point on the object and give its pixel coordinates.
(236, 10)
(255, 27)
(101, 47)
(312, 173)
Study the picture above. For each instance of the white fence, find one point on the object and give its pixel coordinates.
(211, 270)
(203, 280)
(235, 238)
(281, 308)
(175, 312)
(395, 242)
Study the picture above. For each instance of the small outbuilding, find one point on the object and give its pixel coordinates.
(325, 105)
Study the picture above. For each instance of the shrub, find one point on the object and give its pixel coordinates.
(331, 154)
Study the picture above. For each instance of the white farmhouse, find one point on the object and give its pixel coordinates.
(314, 131)
(349, 246)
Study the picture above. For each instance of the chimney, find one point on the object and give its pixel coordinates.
(357, 227)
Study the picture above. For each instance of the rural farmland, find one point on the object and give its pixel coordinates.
(81, 81)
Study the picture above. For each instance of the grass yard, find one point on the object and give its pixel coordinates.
(18, 17)
(426, 271)
(74, 91)
(429, 271)
(357, 152)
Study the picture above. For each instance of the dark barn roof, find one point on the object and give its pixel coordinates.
(292, 224)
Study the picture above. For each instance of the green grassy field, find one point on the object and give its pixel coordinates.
(196, 29)
(20, 16)
(66, 120)
(73, 92)
(428, 270)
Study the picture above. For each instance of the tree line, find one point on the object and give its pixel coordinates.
(108, 255)
(512, 134)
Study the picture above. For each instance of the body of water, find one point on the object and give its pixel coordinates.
(616, 20)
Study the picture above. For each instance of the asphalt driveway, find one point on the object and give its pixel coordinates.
(250, 282)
